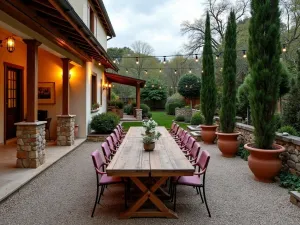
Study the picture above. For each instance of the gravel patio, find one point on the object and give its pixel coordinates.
(64, 194)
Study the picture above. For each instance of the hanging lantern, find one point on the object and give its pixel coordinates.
(10, 44)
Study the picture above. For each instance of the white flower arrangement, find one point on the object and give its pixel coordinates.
(149, 126)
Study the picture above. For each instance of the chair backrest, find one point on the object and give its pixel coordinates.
(190, 143)
(195, 150)
(176, 128)
(203, 160)
(179, 132)
(110, 143)
(186, 138)
(106, 150)
(117, 134)
(119, 129)
(184, 134)
(114, 138)
(97, 160)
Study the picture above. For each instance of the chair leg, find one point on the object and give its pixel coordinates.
(200, 194)
(175, 190)
(125, 194)
(95, 200)
(101, 193)
(206, 202)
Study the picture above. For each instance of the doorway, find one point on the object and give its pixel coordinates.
(13, 99)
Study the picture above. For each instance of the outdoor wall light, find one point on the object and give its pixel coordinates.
(10, 44)
(106, 86)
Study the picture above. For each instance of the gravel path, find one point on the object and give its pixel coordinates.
(64, 194)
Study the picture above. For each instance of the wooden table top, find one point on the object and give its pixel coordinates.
(131, 160)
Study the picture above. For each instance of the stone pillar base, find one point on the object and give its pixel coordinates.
(65, 130)
(31, 144)
(139, 114)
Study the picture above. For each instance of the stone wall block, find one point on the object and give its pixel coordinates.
(65, 130)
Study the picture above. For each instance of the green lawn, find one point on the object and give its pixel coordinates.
(160, 117)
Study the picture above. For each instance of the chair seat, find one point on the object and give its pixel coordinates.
(109, 180)
(188, 180)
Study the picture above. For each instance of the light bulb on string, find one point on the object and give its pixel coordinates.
(136, 60)
(186, 86)
(153, 85)
(146, 71)
(160, 70)
(175, 71)
(244, 54)
(196, 57)
(190, 71)
(217, 56)
(159, 87)
(126, 70)
(284, 48)
(114, 61)
(171, 87)
(99, 63)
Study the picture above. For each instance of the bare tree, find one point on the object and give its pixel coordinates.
(218, 10)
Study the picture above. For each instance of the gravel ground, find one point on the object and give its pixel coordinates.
(64, 194)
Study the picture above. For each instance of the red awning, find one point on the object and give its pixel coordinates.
(120, 79)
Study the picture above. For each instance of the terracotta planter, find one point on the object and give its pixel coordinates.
(228, 143)
(208, 133)
(264, 164)
(149, 147)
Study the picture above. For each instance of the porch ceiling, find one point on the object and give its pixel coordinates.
(57, 21)
(117, 78)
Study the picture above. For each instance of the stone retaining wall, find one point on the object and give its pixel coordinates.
(65, 130)
(185, 112)
(290, 158)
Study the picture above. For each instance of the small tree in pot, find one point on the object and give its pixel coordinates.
(264, 60)
(227, 139)
(208, 88)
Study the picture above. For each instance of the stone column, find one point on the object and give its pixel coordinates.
(30, 144)
(139, 114)
(65, 130)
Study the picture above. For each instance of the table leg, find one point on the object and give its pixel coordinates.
(163, 210)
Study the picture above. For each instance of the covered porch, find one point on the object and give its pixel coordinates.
(137, 83)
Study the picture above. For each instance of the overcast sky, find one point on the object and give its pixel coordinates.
(156, 22)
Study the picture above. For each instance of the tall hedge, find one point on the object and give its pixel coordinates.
(263, 55)
(208, 86)
(228, 103)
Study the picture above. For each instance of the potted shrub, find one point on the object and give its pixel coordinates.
(227, 138)
(149, 141)
(149, 126)
(95, 107)
(264, 61)
(208, 89)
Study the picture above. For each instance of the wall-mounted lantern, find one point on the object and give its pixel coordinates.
(10, 44)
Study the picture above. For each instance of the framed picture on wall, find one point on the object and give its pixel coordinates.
(46, 93)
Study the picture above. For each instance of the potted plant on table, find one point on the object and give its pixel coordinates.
(95, 107)
(208, 89)
(149, 141)
(227, 138)
(264, 61)
(149, 126)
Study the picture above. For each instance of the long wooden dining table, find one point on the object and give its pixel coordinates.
(133, 162)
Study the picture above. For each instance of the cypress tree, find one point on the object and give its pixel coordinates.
(208, 88)
(263, 56)
(228, 104)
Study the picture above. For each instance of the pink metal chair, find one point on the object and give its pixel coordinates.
(174, 128)
(189, 145)
(111, 145)
(119, 137)
(102, 179)
(181, 137)
(106, 152)
(120, 129)
(115, 140)
(194, 153)
(194, 181)
(178, 133)
(185, 140)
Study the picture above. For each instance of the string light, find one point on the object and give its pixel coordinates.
(153, 85)
(244, 54)
(175, 71)
(146, 71)
(164, 59)
(186, 86)
(217, 56)
(284, 48)
(99, 63)
(159, 87)
(114, 61)
(196, 58)
(171, 87)
(136, 60)
(145, 85)
(160, 70)
(221, 69)
(190, 71)
(126, 70)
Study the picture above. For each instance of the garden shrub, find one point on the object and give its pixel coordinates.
(145, 109)
(197, 107)
(128, 109)
(105, 123)
(174, 101)
(187, 120)
(119, 104)
(189, 86)
(179, 118)
(149, 115)
(242, 152)
(197, 119)
(289, 129)
(290, 181)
